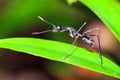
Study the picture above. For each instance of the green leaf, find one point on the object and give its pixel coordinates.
(108, 11)
(57, 51)
(71, 1)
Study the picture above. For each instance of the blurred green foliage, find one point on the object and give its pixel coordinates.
(18, 15)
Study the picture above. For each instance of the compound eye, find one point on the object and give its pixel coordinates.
(58, 27)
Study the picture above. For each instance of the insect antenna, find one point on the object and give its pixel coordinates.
(46, 21)
(45, 30)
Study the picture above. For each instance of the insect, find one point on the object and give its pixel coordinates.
(75, 34)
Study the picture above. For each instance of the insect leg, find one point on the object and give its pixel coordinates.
(42, 32)
(99, 44)
(99, 49)
(70, 50)
(81, 27)
(88, 31)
